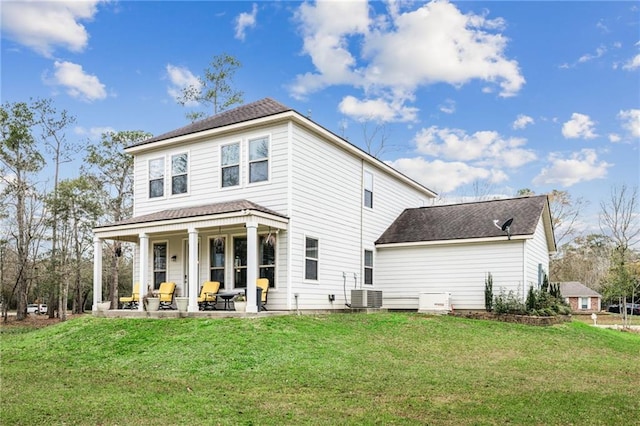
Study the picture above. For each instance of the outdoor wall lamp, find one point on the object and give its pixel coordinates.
(174, 258)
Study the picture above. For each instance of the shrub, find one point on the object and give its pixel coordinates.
(508, 303)
(488, 292)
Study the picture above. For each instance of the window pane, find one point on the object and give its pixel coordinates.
(368, 258)
(258, 149)
(231, 176)
(270, 274)
(311, 269)
(159, 278)
(179, 184)
(156, 188)
(216, 249)
(368, 198)
(368, 275)
(159, 256)
(259, 171)
(217, 275)
(368, 181)
(312, 248)
(267, 253)
(231, 154)
(156, 168)
(179, 164)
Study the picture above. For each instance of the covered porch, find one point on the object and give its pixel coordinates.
(234, 243)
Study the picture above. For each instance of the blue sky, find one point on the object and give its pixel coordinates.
(491, 95)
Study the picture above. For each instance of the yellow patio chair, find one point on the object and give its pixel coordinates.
(263, 283)
(131, 302)
(165, 293)
(208, 295)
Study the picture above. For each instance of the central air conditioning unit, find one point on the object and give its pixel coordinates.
(434, 303)
(366, 298)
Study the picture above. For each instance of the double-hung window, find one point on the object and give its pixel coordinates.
(159, 264)
(179, 170)
(258, 160)
(368, 190)
(368, 267)
(156, 178)
(230, 164)
(267, 259)
(311, 259)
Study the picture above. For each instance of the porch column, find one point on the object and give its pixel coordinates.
(193, 270)
(252, 265)
(97, 272)
(143, 268)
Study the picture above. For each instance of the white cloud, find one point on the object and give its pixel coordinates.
(442, 176)
(180, 78)
(614, 137)
(401, 51)
(244, 21)
(78, 84)
(631, 121)
(581, 166)
(43, 25)
(376, 110)
(483, 147)
(93, 133)
(580, 126)
(591, 56)
(632, 64)
(448, 106)
(522, 121)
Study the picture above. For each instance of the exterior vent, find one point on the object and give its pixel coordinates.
(366, 298)
(438, 303)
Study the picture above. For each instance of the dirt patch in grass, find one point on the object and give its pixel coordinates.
(32, 321)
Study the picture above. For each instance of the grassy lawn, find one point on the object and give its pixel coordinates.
(391, 368)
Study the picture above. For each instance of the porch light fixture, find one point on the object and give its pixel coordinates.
(174, 258)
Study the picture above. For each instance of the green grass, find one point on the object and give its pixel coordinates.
(393, 368)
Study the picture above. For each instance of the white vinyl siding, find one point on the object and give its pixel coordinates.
(402, 273)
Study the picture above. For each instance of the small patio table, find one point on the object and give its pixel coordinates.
(227, 297)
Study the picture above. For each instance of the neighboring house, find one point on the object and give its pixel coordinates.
(580, 297)
(452, 248)
(263, 191)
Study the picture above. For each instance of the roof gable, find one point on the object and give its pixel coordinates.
(466, 221)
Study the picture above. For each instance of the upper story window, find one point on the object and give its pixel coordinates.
(311, 259)
(230, 155)
(179, 167)
(258, 160)
(156, 178)
(368, 189)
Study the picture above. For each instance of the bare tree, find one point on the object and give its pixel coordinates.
(375, 138)
(619, 219)
(53, 125)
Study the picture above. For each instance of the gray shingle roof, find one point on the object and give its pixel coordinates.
(206, 210)
(467, 220)
(576, 289)
(259, 109)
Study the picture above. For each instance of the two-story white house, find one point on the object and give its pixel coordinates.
(263, 191)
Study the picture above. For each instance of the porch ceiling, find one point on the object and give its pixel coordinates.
(199, 217)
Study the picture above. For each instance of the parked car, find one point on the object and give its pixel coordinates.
(32, 308)
(632, 308)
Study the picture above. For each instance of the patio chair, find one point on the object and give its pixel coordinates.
(208, 295)
(263, 283)
(165, 293)
(131, 302)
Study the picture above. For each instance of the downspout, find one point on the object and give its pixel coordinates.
(361, 267)
(524, 269)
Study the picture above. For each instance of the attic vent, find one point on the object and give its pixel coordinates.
(366, 298)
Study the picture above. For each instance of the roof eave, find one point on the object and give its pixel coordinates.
(455, 241)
